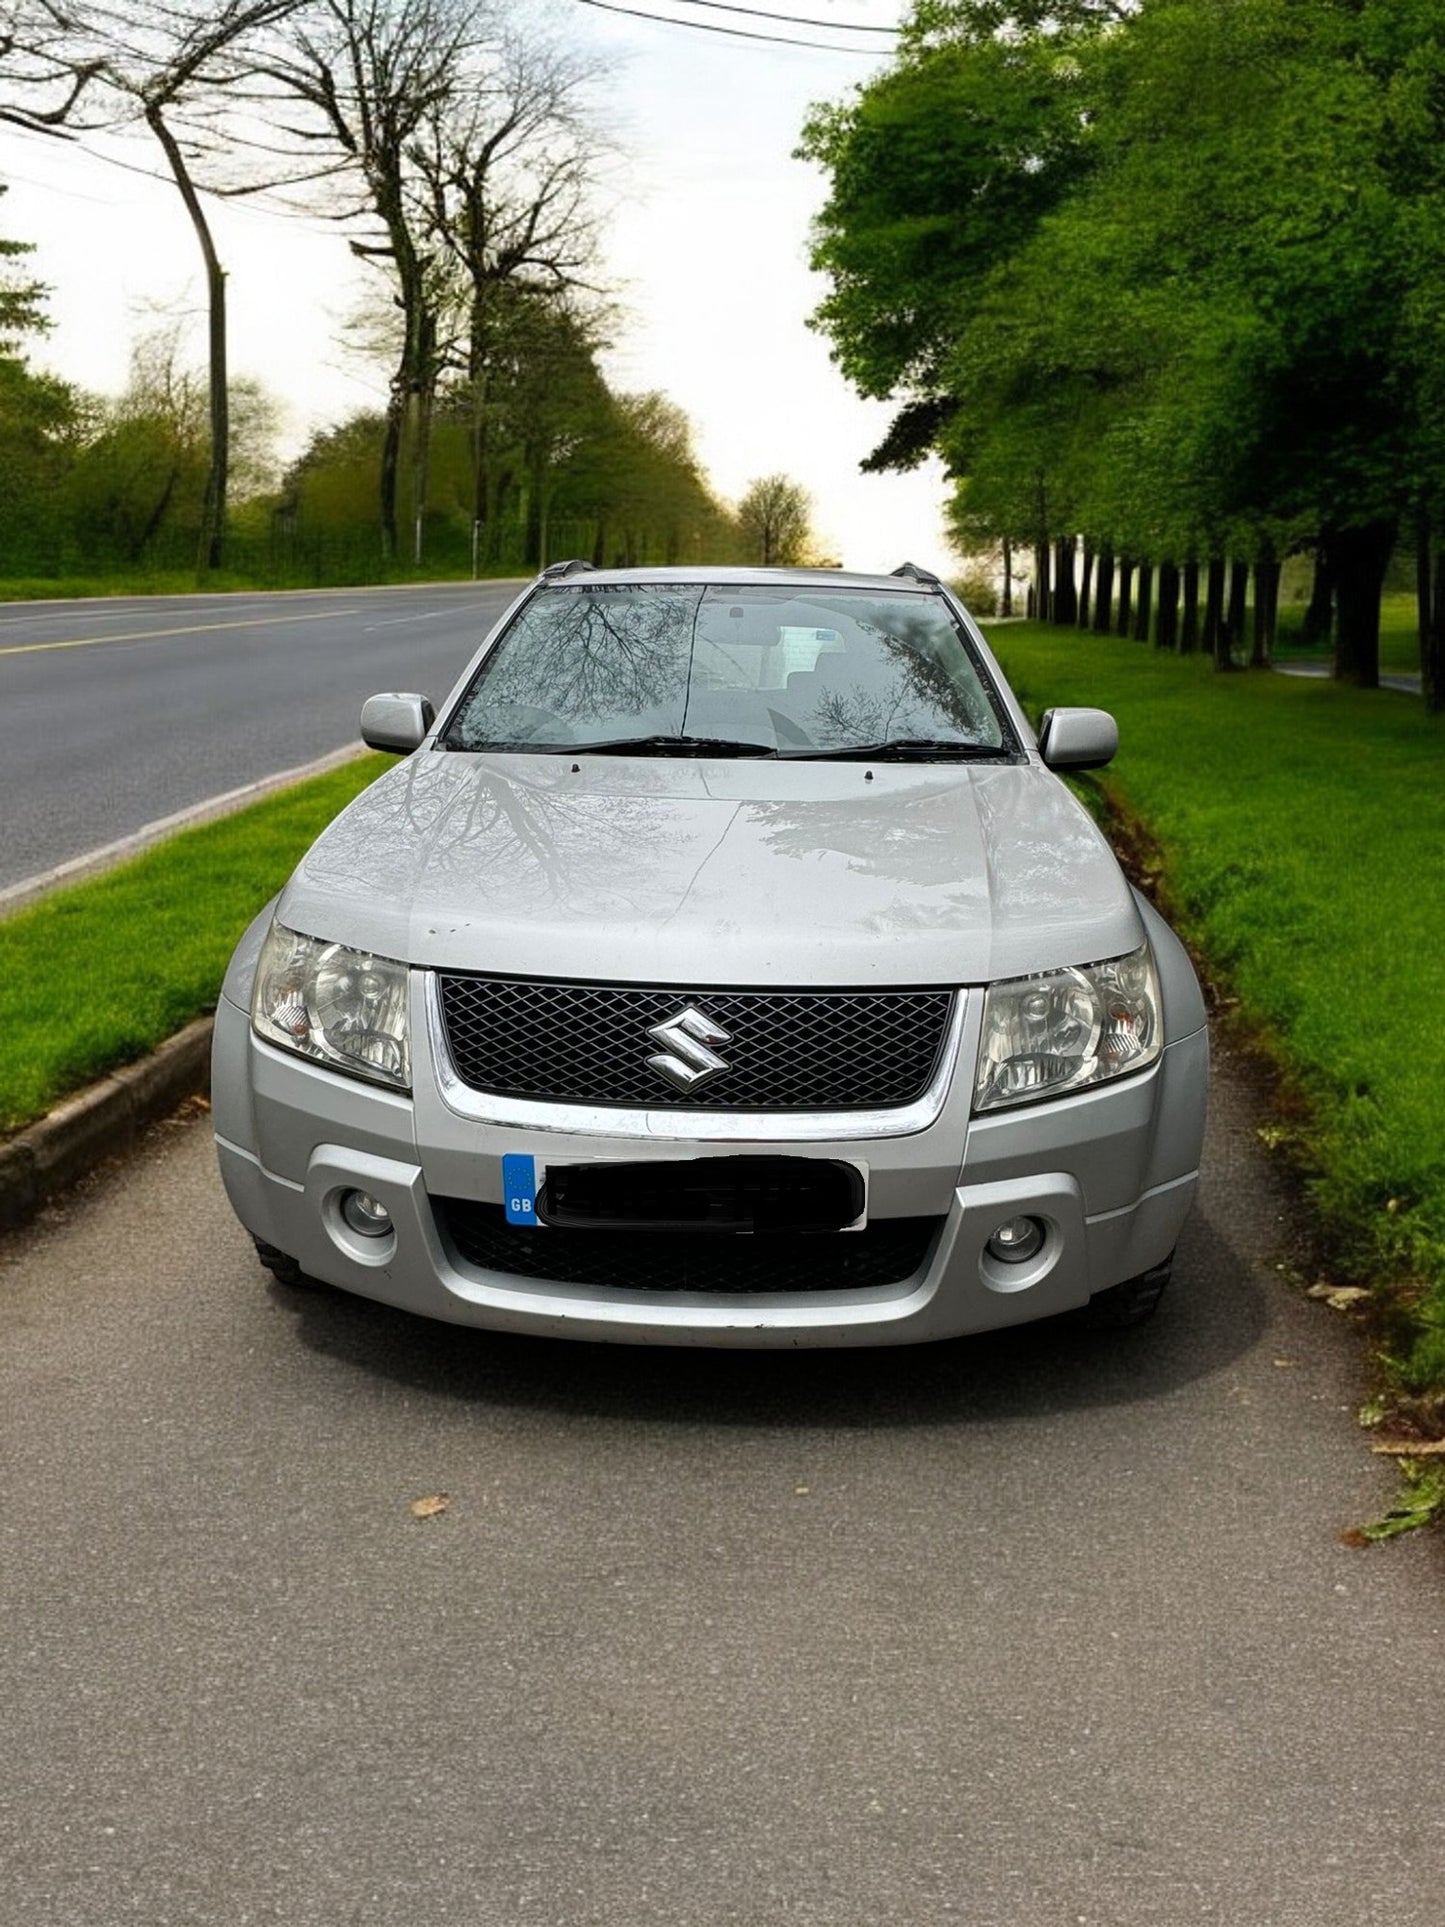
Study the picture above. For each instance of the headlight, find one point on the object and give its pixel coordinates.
(342, 1007)
(1067, 1029)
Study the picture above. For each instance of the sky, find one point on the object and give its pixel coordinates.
(706, 242)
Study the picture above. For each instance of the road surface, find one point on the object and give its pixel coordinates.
(1039, 1630)
(116, 712)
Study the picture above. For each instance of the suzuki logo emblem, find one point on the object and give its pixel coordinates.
(686, 1058)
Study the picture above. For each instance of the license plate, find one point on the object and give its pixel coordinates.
(524, 1178)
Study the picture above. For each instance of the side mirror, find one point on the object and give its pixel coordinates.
(1078, 738)
(396, 721)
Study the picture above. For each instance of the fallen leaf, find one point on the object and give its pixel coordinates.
(429, 1508)
(1338, 1297)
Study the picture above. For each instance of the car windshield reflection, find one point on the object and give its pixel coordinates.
(691, 669)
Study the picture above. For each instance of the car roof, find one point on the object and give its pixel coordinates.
(708, 573)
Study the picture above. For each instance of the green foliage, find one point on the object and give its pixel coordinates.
(1175, 270)
(131, 956)
(1303, 829)
(22, 302)
(541, 455)
(774, 517)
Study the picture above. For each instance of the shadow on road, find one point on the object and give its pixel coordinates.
(1212, 1314)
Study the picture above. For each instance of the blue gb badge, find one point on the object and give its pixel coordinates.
(519, 1188)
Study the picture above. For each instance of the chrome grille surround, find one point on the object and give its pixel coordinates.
(722, 1115)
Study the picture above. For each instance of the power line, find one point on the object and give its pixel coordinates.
(733, 33)
(248, 201)
(791, 19)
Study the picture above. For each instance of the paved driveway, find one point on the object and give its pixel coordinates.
(1033, 1631)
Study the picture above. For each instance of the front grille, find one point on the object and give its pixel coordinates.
(884, 1253)
(787, 1050)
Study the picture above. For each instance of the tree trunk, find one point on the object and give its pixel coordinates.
(1066, 595)
(213, 513)
(1189, 628)
(1357, 560)
(1166, 619)
(1432, 655)
(1216, 629)
(1006, 600)
(1125, 624)
(1319, 610)
(1142, 602)
(1237, 602)
(1042, 599)
(391, 461)
(1104, 592)
(1423, 597)
(1086, 584)
(1266, 606)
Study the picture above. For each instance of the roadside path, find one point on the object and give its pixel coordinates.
(117, 712)
(1407, 681)
(1040, 1630)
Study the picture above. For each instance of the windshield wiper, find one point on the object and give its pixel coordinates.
(900, 746)
(669, 746)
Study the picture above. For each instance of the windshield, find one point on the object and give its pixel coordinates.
(680, 668)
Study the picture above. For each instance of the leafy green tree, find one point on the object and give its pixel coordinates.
(774, 515)
(39, 422)
(1213, 332)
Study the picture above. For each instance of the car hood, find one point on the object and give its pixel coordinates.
(676, 871)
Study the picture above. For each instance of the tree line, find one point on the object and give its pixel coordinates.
(459, 148)
(1159, 281)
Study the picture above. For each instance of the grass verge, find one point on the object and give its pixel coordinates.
(100, 973)
(1301, 835)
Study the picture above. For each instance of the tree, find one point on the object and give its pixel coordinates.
(774, 515)
(40, 86)
(1212, 331)
(39, 422)
(508, 167)
(376, 75)
(174, 71)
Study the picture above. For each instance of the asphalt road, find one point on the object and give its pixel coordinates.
(116, 712)
(1044, 1630)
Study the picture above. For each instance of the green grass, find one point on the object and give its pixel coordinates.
(1301, 827)
(97, 975)
(189, 582)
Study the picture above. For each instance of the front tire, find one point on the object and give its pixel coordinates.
(1132, 1303)
(284, 1269)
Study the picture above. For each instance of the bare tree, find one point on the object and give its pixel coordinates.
(40, 86)
(775, 514)
(509, 168)
(175, 70)
(376, 75)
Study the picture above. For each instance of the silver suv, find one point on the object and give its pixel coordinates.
(724, 965)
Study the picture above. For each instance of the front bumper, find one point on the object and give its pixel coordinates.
(1110, 1172)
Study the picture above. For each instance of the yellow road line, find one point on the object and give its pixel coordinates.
(151, 635)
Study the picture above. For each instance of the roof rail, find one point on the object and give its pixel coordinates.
(554, 571)
(912, 568)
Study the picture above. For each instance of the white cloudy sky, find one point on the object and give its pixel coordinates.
(707, 242)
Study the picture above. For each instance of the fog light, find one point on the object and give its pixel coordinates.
(365, 1214)
(1016, 1241)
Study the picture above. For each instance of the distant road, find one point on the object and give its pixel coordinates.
(115, 712)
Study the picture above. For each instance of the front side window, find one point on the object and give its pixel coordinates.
(692, 669)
